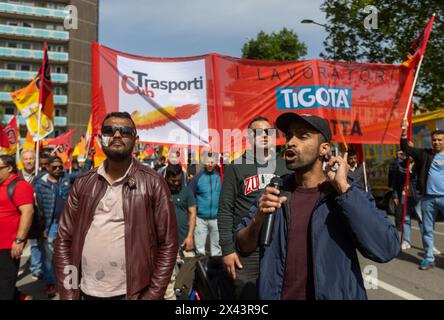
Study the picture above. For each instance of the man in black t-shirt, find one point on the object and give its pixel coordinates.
(244, 180)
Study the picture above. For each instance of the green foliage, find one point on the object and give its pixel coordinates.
(284, 45)
(399, 23)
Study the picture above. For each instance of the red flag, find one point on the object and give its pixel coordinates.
(63, 145)
(58, 140)
(418, 47)
(9, 136)
(46, 98)
(4, 143)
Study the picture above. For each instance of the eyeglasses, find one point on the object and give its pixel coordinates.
(126, 132)
(56, 167)
(260, 132)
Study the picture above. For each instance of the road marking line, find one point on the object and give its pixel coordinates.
(396, 291)
(436, 232)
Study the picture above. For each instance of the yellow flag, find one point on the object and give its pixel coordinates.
(79, 150)
(27, 102)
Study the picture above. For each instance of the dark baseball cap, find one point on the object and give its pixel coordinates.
(284, 121)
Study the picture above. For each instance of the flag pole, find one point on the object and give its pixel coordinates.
(413, 88)
(17, 153)
(38, 141)
(365, 174)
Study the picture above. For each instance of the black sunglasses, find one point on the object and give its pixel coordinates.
(260, 132)
(56, 167)
(110, 131)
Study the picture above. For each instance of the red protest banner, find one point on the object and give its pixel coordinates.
(363, 102)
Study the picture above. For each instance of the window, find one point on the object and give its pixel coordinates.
(58, 91)
(25, 67)
(57, 113)
(26, 45)
(12, 23)
(50, 27)
(60, 28)
(11, 66)
(28, 24)
(12, 44)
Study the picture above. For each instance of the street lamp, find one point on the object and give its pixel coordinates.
(325, 27)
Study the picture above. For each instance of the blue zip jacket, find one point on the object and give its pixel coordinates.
(340, 225)
(206, 188)
(46, 193)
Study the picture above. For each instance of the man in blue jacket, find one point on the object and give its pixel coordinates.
(321, 219)
(51, 191)
(206, 188)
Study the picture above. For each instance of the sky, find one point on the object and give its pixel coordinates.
(177, 28)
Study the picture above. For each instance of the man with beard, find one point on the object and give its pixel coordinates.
(118, 229)
(430, 164)
(51, 192)
(320, 219)
(243, 182)
(185, 207)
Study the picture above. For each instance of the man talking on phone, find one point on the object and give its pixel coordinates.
(321, 218)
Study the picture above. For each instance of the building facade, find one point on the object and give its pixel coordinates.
(24, 26)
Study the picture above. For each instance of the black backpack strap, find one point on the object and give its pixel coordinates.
(11, 188)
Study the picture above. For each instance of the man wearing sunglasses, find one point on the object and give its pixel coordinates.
(51, 191)
(118, 230)
(243, 181)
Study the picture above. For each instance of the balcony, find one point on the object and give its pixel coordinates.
(58, 99)
(29, 75)
(33, 54)
(33, 33)
(58, 121)
(31, 11)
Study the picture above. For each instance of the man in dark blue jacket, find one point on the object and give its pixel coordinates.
(321, 219)
(51, 191)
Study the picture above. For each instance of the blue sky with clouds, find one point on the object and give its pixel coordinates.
(174, 28)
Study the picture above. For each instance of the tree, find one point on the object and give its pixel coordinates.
(284, 45)
(399, 23)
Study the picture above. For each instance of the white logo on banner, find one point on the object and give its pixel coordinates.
(167, 100)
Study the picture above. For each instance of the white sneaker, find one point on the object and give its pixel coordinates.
(436, 251)
(405, 245)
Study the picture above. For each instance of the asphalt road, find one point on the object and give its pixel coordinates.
(400, 279)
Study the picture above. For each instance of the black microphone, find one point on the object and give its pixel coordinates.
(267, 228)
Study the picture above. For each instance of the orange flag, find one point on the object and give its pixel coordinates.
(36, 93)
(99, 156)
